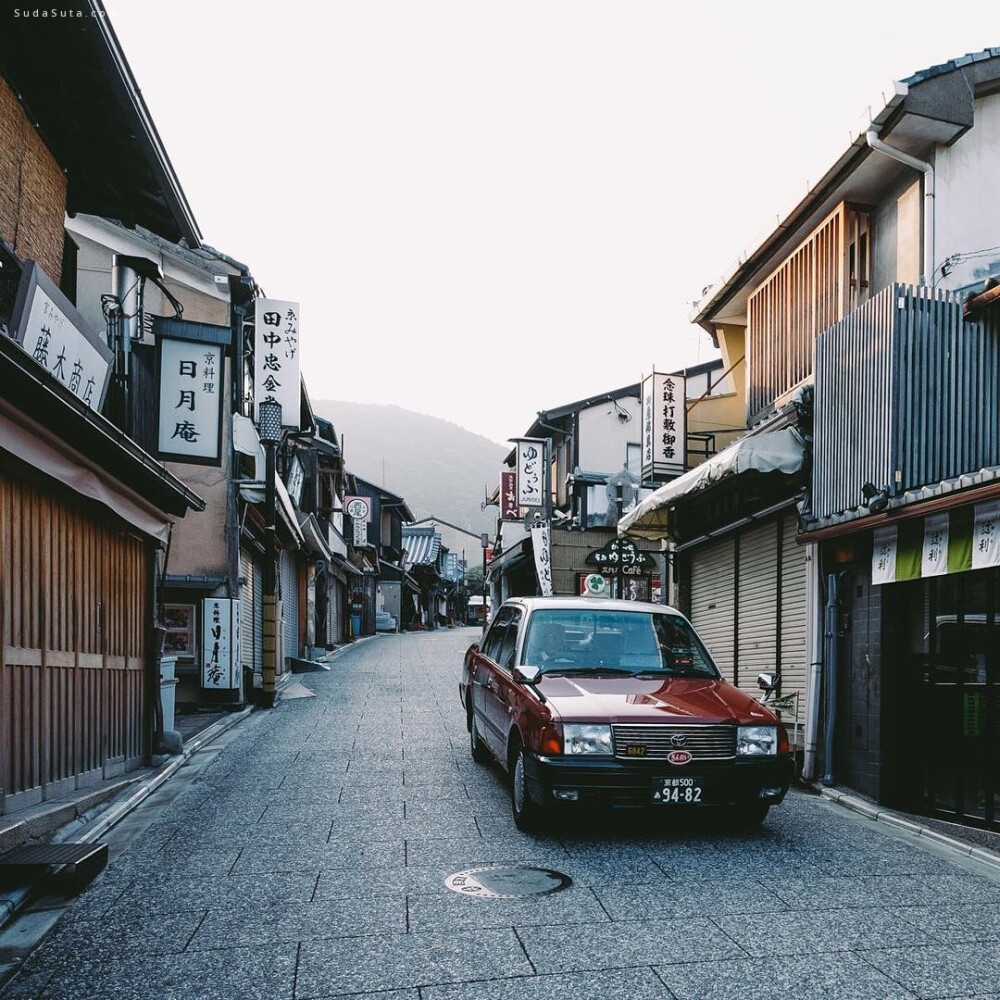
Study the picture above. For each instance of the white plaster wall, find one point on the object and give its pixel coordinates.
(968, 210)
(603, 436)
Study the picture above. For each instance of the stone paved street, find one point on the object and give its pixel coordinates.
(307, 859)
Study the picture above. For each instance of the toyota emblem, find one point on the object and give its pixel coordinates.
(678, 739)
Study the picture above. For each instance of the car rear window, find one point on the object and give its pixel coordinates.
(633, 641)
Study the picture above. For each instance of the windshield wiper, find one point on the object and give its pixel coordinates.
(590, 671)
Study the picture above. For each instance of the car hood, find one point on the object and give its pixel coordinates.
(638, 700)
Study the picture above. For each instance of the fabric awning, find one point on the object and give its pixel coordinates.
(781, 451)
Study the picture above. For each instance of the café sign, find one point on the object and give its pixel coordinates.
(621, 555)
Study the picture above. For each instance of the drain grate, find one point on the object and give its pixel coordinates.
(507, 881)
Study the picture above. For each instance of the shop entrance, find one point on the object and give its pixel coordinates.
(951, 669)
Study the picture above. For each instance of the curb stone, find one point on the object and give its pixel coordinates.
(866, 809)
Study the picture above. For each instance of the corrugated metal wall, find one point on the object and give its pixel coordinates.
(906, 396)
(713, 599)
(289, 566)
(793, 617)
(758, 604)
(852, 427)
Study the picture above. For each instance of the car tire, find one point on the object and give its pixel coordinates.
(480, 754)
(528, 814)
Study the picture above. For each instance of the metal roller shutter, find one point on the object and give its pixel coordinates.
(758, 604)
(335, 613)
(258, 617)
(713, 599)
(793, 618)
(246, 610)
(290, 602)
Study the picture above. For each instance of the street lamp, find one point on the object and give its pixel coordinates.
(484, 540)
(269, 429)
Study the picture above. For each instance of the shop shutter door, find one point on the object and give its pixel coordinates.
(712, 600)
(258, 617)
(290, 602)
(793, 619)
(758, 604)
(336, 612)
(246, 609)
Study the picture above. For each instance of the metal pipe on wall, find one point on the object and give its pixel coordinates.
(814, 652)
(830, 663)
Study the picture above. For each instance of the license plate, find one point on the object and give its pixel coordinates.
(677, 791)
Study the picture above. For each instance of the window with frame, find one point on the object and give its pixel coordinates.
(179, 627)
(505, 654)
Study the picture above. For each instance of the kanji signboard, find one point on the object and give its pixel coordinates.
(48, 327)
(531, 472)
(509, 509)
(220, 646)
(191, 392)
(276, 356)
(664, 425)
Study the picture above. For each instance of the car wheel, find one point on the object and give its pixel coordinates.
(476, 746)
(528, 814)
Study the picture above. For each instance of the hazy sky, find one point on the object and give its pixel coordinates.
(491, 208)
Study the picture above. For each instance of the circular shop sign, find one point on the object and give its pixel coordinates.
(358, 508)
(507, 882)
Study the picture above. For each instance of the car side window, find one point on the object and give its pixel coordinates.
(505, 656)
(494, 637)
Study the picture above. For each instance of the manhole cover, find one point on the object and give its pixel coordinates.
(507, 881)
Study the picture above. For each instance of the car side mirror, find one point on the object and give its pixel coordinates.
(527, 675)
(767, 681)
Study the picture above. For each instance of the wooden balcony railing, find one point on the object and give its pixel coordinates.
(819, 283)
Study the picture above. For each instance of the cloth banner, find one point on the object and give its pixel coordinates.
(541, 543)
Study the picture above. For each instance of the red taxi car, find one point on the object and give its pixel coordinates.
(586, 701)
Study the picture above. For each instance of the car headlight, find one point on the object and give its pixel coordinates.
(756, 741)
(584, 738)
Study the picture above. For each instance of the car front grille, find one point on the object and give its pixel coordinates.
(702, 742)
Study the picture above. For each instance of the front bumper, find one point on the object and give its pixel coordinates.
(629, 784)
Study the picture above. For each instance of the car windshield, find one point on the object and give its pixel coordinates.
(568, 640)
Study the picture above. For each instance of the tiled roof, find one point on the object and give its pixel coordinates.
(422, 546)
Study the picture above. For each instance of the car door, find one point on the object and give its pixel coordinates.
(502, 693)
(484, 679)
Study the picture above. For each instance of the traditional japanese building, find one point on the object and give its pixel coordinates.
(86, 514)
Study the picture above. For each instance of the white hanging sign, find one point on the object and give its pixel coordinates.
(541, 544)
(190, 410)
(360, 532)
(986, 535)
(220, 643)
(664, 425)
(884, 555)
(276, 357)
(934, 560)
(530, 467)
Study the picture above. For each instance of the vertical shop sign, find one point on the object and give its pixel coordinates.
(541, 543)
(986, 535)
(190, 402)
(934, 560)
(530, 467)
(509, 509)
(276, 356)
(884, 555)
(664, 425)
(220, 646)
